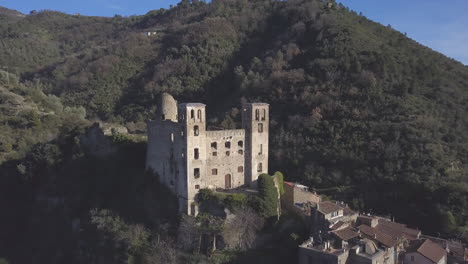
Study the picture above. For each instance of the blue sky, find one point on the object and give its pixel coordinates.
(440, 25)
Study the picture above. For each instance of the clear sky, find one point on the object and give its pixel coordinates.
(438, 24)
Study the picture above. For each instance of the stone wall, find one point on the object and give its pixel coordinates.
(225, 164)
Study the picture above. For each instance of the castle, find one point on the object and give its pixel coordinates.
(187, 157)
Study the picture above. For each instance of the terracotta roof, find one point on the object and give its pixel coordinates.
(327, 207)
(338, 225)
(346, 233)
(431, 251)
(348, 211)
(289, 183)
(397, 230)
(376, 234)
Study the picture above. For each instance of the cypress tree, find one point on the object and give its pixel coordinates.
(268, 196)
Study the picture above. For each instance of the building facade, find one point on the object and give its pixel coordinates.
(186, 157)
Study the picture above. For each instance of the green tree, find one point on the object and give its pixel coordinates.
(268, 195)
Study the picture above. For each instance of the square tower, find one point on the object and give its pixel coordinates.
(192, 116)
(255, 121)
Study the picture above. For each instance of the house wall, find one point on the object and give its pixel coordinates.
(313, 256)
(420, 259)
(224, 164)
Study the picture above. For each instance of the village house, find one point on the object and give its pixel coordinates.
(425, 252)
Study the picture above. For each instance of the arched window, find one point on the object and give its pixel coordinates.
(227, 144)
(196, 173)
(240, 151)
(192, 114)
(259, 167)
(199, 115)
(196, 132)
(214, 145)
(257, 114)
(263, 115)
(260, 127)
(240, 143)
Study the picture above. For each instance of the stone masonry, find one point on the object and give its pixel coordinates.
(187, 157)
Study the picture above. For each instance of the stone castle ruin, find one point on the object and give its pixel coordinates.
(187, 157)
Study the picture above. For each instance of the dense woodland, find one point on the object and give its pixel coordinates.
(359, 112)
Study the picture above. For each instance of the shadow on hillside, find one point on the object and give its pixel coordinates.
(46, 211)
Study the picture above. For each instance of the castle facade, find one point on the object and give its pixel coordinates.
(187, 157)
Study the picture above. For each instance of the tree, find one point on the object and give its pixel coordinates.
(268, 195)
(241, 231)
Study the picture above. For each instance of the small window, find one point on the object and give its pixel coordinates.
(163, 117)
(240, 169)
(214, 145)
(240, 143)
(182, 133)
(196, 153)
(196, 173)
(228, 153)
(257, 115)
(196, 132)
(259, 167)
(199, 115)
(240, 151)
(263, 115)
(260, 127)
(215, 154)
(172, 137)
(227, 144)
(214, 171)
(197, 186)
(192, 114)
(261, 149)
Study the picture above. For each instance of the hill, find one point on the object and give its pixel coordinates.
(359, 110)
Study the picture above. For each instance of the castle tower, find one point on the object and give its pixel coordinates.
(167, 108)
(255, 121)
(193, 118)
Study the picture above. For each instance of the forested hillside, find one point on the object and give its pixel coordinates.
(359, 111)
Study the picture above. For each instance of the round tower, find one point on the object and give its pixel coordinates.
(167, 108)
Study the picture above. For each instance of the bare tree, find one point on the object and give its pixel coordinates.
(241, 231)
(188, 235)
(163, 252)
